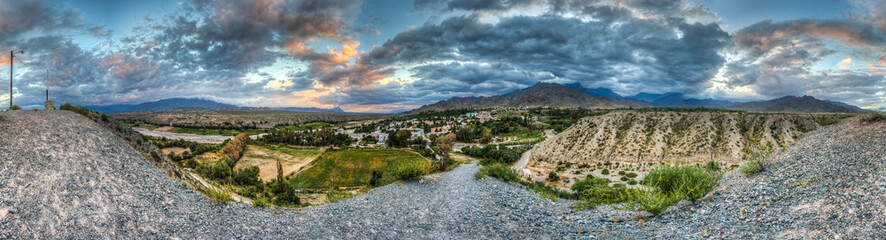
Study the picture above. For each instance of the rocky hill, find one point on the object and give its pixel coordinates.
(539, 95)
(804, 104)
(630, 137)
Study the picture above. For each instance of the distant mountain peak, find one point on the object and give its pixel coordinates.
(803, 104)
(541, 94)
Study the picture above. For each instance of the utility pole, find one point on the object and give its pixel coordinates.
(11, 61)
(10, 79)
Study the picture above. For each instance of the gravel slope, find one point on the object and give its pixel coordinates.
(64, 176)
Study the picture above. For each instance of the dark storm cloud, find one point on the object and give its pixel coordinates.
(672, 54)
(206, 48)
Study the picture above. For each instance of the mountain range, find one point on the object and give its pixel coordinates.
(196, 103)
(539, 95)
(804, 104)
(575, 95)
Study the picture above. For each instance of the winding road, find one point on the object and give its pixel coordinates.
(524, 159)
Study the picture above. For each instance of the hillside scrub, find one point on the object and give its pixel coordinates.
(873, 117)
(498, 170)
(691, 182)
(409, 171)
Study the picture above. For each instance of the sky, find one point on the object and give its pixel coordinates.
(389, 55)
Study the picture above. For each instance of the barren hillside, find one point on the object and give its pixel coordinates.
(663, 136)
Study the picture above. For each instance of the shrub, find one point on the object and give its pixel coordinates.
(622, 173)
(191, 163)
(653, 201)
(601, 194)
(247, 176)
(374, 179)
(260, 201)
(221, 170)
(712, 166)
(104, 117)
(553, 176)
(631, 175)
(873, 117)
(286, 196)
(410, 171)
(500, 171)
(589, 183)
(16, 107)
(632, 182)
(750, 168)
(219, 195)
(689, 181)
(605, 172)
(623, 178)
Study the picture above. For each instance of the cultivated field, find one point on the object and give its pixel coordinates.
(265, 156)
(353, 167)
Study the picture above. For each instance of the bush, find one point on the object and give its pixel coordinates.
(688, 181)
(873, 117)
(631, 175)
(757, 153)
(219, 195)
(599, 192)
(632, 182)
(621, 173)
(16, 107)
(261, 202)
(374, 179)
(605, 172)
(410, 171)
(221, 170)
(247, 176)
(653, 201)
(589, 183)
(287, 196)
(623, 178)
(498, 170)
(553, 176)
(191, 163)
(104, 117)
(712, 166)
(750, 168)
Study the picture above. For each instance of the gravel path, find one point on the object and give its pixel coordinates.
(64, 176)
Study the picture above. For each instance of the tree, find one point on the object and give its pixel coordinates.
(280, 183)
(445, 143)
(487, 137)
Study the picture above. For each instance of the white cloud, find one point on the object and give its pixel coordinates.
(845, 64)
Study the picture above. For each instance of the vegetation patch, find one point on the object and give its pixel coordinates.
(873, 117)
(354, 167)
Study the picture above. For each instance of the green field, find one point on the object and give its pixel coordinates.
(353, 167)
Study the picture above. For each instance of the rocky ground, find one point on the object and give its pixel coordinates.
(64, 176)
